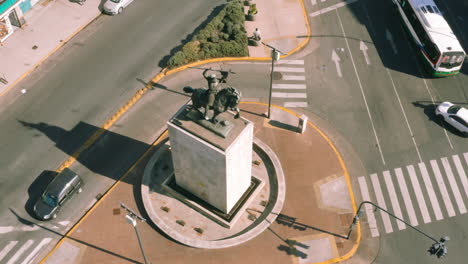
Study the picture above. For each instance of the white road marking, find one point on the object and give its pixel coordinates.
(393, 199)
(443, 188)
(29, 228)
(369, 211)
(288, 86)
(363, 48)
(381, 203)
(430, 191)
(20, 252)
(314, 2)
(453, 185)
(404, 115)
(289, 69)
(33, 254)
(461, 171)
(293, 77)
(7, 249)
(6, 229)
(64, 223)
(362, 90)
(289, 95)
(295, 104)
(419, 194)
(406, 197)
(331, 8)
(336, 59)
(297, 62)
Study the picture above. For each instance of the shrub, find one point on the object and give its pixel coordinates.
(223, 36)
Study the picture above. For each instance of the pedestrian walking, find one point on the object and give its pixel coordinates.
(257, 35)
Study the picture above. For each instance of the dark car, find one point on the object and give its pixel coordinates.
(59, 190)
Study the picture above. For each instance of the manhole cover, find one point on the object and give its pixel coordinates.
(277, 76)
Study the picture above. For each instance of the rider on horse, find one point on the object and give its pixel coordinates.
(213, 84)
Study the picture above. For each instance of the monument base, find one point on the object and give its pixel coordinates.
(224, 219)
(221, 128)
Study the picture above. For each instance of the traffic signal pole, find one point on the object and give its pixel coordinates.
(438, 248)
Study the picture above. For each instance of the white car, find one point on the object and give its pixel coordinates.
(113, 7)
(455, 115)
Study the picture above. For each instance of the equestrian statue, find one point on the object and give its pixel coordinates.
(213, 98)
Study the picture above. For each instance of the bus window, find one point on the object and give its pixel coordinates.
(423, 9)
(430, 9)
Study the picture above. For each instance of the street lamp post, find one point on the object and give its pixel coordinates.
(131, 219)
(438, 248)
(275, 55)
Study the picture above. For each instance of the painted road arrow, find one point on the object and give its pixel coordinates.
(335, 58)
(390, 38)
(363, 48)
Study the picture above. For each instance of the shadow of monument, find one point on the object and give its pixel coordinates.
(111, 155)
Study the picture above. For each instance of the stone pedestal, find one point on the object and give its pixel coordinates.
(216, 169)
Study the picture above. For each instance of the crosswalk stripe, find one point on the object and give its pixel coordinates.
(295, 104)
(298, 62)
(430, 191)
(461, 171)
(43, 242)
(20, 251)
(289, 69)
(453, 185)
(369, 211)
(293, 77)
(406, 197)
(393, 199)
(289, 95)
(443, 188)
(314, 2)
(288, 86)
(381, 203)
(7, 249)
(419, 194)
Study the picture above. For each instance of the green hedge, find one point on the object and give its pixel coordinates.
(224, 36)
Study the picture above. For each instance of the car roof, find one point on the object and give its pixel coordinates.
(65, 177)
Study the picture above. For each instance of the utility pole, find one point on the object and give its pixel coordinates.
(275, 55)
(131, 219)
(438, 248)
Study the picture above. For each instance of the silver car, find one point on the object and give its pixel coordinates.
(114, 7)
(59, 190)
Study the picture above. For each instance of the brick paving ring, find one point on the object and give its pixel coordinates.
(191, 223)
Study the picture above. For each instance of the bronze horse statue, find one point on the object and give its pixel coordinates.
(226, 99)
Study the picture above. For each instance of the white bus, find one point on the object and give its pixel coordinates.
(440, 49)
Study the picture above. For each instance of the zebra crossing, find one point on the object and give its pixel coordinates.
(14, 252)
(291, 87)
(418, 193)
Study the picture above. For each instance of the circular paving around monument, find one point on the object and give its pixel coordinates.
(188, 226)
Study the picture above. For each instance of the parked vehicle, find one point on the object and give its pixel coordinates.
(455, 115)
(114, 7)
(59, 190)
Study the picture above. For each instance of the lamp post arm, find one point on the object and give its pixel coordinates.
(394, 216)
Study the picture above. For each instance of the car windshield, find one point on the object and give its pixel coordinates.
(453, 109)
(49, 199)
(116, 1)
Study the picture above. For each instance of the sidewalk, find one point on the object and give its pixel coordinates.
(49, 25)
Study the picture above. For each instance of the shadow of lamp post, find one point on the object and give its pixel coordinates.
(438, 248)
(131, 219)
(275, 56)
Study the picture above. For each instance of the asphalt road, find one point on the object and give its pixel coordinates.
(367, 82)
(68, 98)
